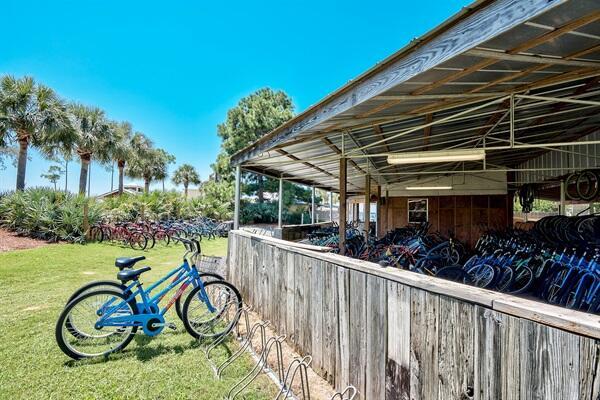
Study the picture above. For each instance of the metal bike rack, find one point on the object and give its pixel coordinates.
(348, 394)
(261, 365)
(301, 365)
(243, 312)
(259, 326)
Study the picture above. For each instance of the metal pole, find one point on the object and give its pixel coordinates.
(313, 216)
(236, 213)
(280, 213)
(562, 198)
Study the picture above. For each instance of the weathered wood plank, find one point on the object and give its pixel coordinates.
(589, 383)
(330, 322)
(397, 382)
(290, 294)
(358, 331)
(376, 322)
(316, 315)
(549, 363)
(559, 317)
(456, 352)
(342, 360)
(424, 375)
(497, 359)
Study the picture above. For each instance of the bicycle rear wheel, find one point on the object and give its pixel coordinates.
(138, 241)
(81, 338)
(203, 323)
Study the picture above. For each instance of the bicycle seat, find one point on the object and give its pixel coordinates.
(131, 274)
(127, 262)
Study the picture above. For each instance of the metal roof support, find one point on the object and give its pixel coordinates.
(236, 213)
(423, 126)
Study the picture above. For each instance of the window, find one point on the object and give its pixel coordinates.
(417, 211)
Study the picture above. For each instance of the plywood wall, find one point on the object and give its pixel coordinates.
(466, 216)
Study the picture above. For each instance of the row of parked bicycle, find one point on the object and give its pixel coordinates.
(103, 316)
(144, 234)
(557, 261)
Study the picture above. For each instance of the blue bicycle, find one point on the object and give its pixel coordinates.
(104, 320)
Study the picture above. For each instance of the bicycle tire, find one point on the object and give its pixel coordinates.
(58, 333)
(591, 179)
(178, 302)
(192, 326)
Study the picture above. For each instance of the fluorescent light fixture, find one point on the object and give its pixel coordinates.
(436, 156)
(428, 188)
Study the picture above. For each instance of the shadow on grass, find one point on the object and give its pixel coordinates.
(146, 351)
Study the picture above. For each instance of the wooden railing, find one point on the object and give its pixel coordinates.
(398, 335)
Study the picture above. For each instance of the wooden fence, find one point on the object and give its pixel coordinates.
(399, 335)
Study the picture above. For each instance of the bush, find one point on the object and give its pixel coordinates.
(47, 214)
(259, 213)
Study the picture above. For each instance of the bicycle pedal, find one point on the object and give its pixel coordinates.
(171, 325)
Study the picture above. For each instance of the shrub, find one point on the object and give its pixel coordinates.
(47, 214)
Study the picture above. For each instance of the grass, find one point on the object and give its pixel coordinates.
(35, 283)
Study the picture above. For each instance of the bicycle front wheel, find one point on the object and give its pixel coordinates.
(77, 334)
(214, 312)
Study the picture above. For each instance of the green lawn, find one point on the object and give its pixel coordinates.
(34, 285)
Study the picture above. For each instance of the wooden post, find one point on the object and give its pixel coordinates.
(563, 190)
(238, 184)
(367, 207)
(280, 213)
(313, 213)
(330, 206)
(378, 211)
(342, 206)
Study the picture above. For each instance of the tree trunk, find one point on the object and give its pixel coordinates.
(54, 185)
(121, 165)
(146, 185)
(66, 175)
(261, 189)
(112, 175)
(22, 163)
(185, 189)
(163, 185)
(83, 174)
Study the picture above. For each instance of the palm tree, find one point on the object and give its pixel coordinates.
(144, 154)
(162, 167)
(34, 115)
(53, 175)
(94, 138)
(122, 149)
(184, 175)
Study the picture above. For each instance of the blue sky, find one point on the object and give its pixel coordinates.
(174, 68)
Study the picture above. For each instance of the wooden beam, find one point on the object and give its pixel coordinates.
(367, 207)
(342, 215)
(427, 131)
(494, 56)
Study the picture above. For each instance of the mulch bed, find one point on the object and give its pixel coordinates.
(11, 241)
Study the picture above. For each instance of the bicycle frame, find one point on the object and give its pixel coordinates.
(185, 275)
